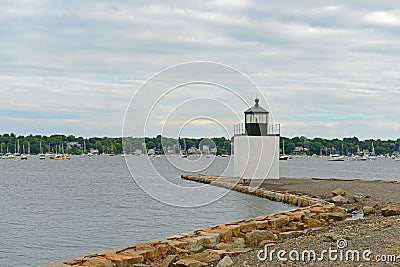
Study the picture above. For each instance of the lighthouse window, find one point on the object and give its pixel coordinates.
(256, 118)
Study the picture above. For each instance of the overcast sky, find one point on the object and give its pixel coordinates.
(327, 68)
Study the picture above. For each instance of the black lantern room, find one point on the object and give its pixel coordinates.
(256, 120)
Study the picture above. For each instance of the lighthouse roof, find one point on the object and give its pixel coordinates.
(256, 108)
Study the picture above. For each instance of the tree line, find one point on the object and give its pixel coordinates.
(345, 146)
(35, 144)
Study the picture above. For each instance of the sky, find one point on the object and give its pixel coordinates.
(322, 68)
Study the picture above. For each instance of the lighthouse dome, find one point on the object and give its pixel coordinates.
(256, 108)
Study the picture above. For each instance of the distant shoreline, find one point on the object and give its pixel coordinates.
(164, 145)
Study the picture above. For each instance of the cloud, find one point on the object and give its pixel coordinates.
(87, 58)
(386, 18)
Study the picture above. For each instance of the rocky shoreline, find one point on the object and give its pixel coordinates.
(323, 205)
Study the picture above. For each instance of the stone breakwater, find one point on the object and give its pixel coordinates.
(218, 243)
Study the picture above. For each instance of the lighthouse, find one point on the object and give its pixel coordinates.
(256, 145)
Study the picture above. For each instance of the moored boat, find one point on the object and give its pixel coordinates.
(336, 157)
(283, 157)
(61, 157)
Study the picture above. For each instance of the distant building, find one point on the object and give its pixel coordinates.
(137, 152)
(205, 149)
(193, 150)
(74, 144)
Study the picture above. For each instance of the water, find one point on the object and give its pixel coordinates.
(381, 169)
(57, 210)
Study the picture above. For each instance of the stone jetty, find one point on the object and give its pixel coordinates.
(220, 242)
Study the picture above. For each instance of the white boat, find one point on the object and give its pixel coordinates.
(24, 157)
(283, 156)
(336, 157)
(9, 156)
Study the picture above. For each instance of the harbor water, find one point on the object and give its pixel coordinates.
(57, 210)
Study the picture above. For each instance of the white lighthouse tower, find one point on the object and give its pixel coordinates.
(256, 145)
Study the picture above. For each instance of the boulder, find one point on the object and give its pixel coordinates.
(311, 222)
(239, 243)
(98, 262)
(367, 210)
(255, 237)
(351, 209)
(335, 216)
(58, 264)
(358, 197)
(189, 262)
(351, 200)
(339, 192)
(247, 227)
(339, 215)
(290, 234)
(207, 256)
(331, 237)
(170, 260)
(390, 210)
(338, 199)
(278, 222)
(225, 262)
(224, 246)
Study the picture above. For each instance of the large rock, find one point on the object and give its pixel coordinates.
(339, 192)
(279, 222)
(338, 199)
(290, 234)
(127, 259)
(225, 262)
(255, 237)
(358, 197)
(189, 262)
(247, 227)
(367, 210)
(98, 262)
(57, 264)
(209, 240)
(331, 237)
(207, 256)
(390, 210)
(336, 216)
(239, 243)
(224, 246)
(170, 260)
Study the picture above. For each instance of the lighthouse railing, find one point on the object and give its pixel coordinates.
(272, 129)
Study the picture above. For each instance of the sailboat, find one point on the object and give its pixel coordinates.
(283, 156)
(41, 155)
(372, 156)
(182, 155)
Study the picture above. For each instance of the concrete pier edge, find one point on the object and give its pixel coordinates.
(214, 243)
